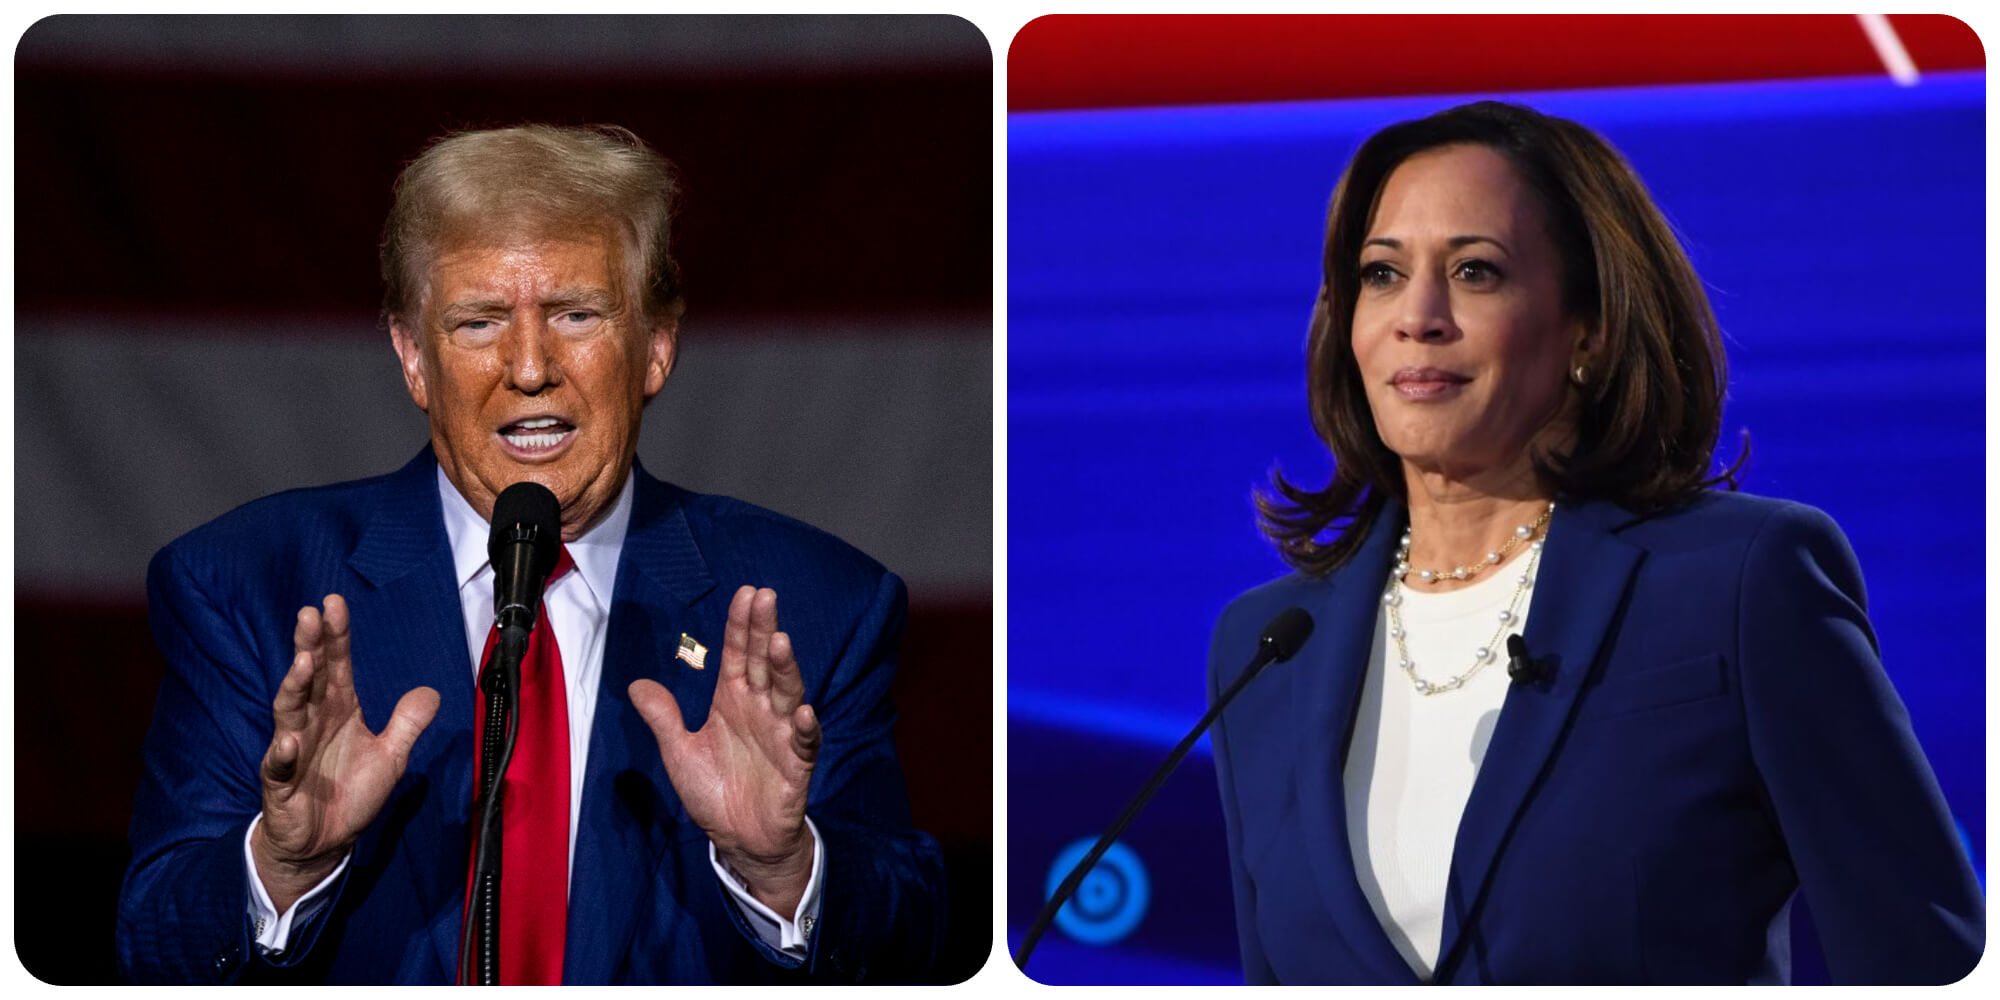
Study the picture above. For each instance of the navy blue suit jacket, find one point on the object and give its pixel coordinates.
(1716, 735)
(645, 906)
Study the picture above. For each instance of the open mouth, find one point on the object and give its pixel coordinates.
(537, 434)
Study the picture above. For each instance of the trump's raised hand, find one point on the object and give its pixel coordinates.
(743, 776)
(325, 774)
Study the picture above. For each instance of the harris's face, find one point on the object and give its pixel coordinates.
(1459, 329)
(534, 362)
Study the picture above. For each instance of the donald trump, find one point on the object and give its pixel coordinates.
(698, 793)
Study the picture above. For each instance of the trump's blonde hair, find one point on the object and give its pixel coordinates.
(533, 182)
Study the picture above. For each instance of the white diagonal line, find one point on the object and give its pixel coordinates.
(1889, 47)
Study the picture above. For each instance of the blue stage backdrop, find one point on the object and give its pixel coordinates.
(1161, 267)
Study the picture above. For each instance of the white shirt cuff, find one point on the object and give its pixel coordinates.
(792, 936)
(272, 930)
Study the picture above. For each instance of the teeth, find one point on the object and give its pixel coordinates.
(532, 442)
(537, 433)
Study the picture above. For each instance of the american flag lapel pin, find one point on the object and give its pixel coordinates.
(693, 652)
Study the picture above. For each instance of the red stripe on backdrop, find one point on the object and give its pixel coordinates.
(944, 719)
(87, 675)
(1084, 61)
(1939, 41)
(736, 322)
(188, 193)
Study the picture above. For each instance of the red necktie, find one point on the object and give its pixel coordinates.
(534, 811)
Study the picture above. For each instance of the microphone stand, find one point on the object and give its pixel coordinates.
(479, 939)
(523, 549)
(1268, 652)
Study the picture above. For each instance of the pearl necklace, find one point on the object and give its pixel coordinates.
(1393, 599)
(1521, 534)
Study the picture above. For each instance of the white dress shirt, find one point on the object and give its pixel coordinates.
(578, 608)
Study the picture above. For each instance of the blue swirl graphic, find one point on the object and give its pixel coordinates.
(1110, 901)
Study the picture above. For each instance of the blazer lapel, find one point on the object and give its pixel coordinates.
(1327, 692)
(410, 624)
(630, 817)
(1585, 573)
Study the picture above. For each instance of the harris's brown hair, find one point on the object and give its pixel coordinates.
(533, 181)
(1646, 424)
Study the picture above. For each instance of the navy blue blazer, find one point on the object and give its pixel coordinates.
(1716, 735)
(645, 906)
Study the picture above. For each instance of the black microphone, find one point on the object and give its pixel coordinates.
(1281, 638)
(526, 537)
(1521, 667)
(524, 545)
(527, 533)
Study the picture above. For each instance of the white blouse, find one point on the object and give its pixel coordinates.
(1413, 757)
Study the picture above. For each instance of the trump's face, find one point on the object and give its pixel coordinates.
(534, 362)
(1459, 329)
